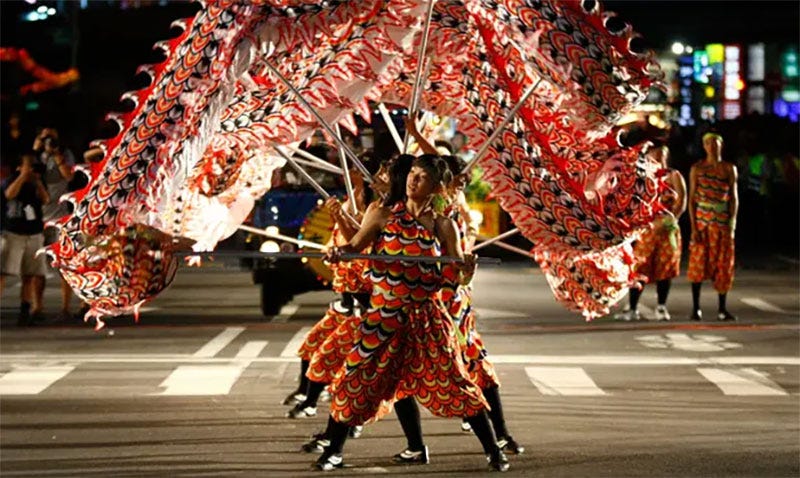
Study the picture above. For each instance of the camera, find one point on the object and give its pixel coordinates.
(50, 142)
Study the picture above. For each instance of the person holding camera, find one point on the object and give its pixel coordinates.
(23, 234)
(59, 164)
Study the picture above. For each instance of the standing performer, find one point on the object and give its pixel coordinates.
(407, 348)
(348, 280)
(658, 251)
(456, 299)
(713, 204)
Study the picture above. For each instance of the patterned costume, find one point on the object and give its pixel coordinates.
(406, 346)
(658, 251)
(340, 321)
(456, 299)
(712, 256)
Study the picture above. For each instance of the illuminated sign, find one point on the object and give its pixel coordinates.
(789, 66)
(702, 68)
(755, 62)
(732, 83)
(716, 53)
(685, 76)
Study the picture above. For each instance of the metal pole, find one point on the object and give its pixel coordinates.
(514, 249)
(390, 125)
(344, 257)
(293, 240)
(316, 165)
(498, 238)
(311, 181)
(314, 159)
(348, 185)
(502, 126)
(321, 120)
(420, 60)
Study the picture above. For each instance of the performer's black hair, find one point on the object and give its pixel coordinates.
(435, 166)
(399, 167)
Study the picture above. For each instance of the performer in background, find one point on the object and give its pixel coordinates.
(658, 251)
(713, 205)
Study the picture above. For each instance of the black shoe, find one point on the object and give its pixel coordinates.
(725, 316)
(697, 315)
(509, 445)
(294, 398)
(409, 456)
(356, 431)
(329, 461)
(300, 411)
(24, 314)
(498, 460)
(37, 318)
(317, 444)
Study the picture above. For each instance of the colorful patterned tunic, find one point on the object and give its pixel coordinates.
(712, 255)
(658, 251)
(406, 345)
(348, 277)
(456, 299)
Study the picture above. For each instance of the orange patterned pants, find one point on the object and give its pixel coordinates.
(330, 356)
(712, 257)
(335, 315)
(420, 359)
(658, 253)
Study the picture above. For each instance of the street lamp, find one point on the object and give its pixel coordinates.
(677, 48)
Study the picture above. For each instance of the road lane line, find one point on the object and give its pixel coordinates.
(763, 305)
(251, 350)
(27, 380)
(297, 340)
(743, 381)
(645, 360)
(219, 342)
(201, 380)
(573, 381)
(286, 313)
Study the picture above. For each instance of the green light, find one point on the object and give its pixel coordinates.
(31, 106)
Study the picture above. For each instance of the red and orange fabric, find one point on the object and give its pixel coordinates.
(348, 277)
(406, 345)
(456, 299)
(711, 256)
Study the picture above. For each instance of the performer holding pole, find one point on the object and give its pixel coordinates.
(407, 348)
(713, 205)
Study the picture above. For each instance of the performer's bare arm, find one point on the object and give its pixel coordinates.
(374, 220)
(448, 236)
(692, 189)
(679, 186)
(733, 206)
(472, 225)
(411, 127)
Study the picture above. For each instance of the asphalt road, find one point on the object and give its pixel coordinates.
(194, 389)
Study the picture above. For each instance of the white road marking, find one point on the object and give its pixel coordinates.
(647, 360)
(489, 314)
(688, 342)
(647, 312)
(219, 342)
(297, 340)
(762, 305)
(286, 313)
(30, 380)
(211, 379)
(563, 381)
(743, 381)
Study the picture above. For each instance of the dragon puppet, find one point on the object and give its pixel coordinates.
(202, 140)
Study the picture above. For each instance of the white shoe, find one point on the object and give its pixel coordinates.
(662, 313)
(628, 315)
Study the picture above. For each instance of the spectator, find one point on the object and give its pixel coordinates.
(23, 234)
(59, 163)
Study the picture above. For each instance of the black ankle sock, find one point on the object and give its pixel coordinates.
(633, 296)
(303, 386)
(407, 412)
(696, 295)
(312, 394)
(347, 300)
(483, 430)
(337, 432)
(662, 289)
(492, 395)
(722, 299)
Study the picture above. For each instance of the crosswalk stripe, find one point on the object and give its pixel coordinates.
(297, 340)
(219, 342)
(286, 313)
(201, 379)
(762, 305)
(563, 381)
(743, 381)
(251, 349)
(30, 380)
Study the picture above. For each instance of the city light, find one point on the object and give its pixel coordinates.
(678, 48)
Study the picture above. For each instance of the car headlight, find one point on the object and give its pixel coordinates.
(272, 230)
(270, 247)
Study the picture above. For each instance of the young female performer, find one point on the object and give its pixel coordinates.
(407, 348)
